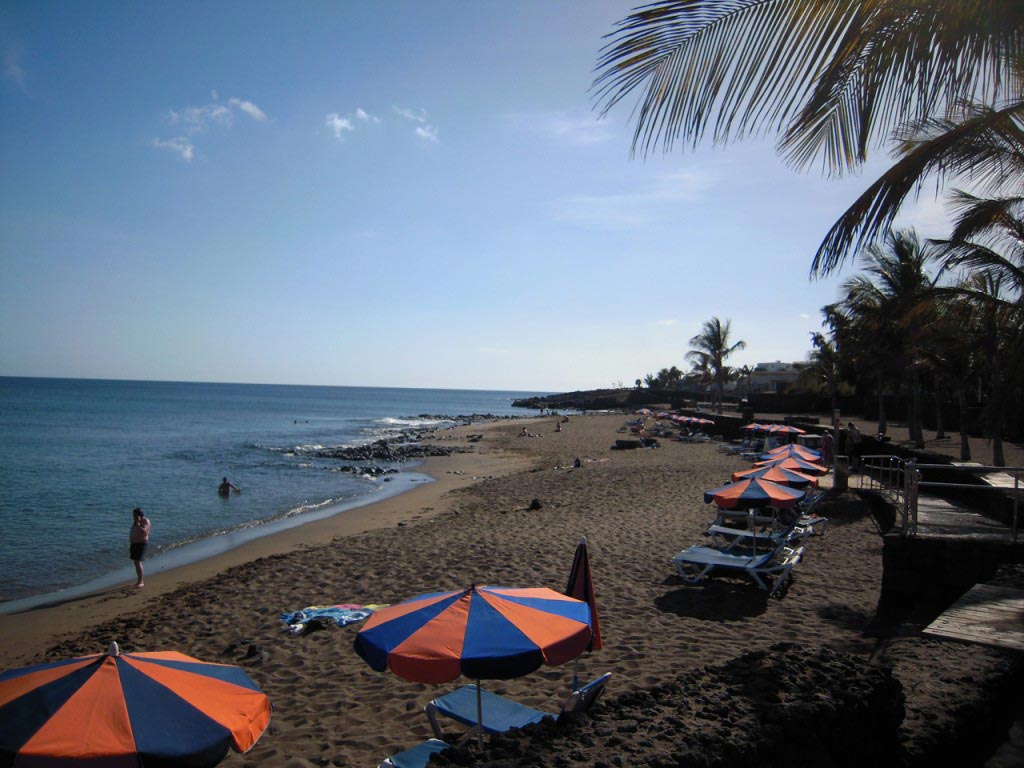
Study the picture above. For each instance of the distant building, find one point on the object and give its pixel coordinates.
(774, 377)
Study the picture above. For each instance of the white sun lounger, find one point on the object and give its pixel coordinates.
(769, 570)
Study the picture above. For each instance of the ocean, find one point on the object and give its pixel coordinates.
(76, 456)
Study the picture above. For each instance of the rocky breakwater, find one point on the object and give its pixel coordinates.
(394, 451)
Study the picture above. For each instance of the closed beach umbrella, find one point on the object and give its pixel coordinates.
(581, 587)
(128, 709)
(493, 633)
(792, 462)
(753, 493)
(779, 475)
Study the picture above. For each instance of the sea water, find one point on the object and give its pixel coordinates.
(76, 456)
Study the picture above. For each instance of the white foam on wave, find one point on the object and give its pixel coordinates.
(391, 421)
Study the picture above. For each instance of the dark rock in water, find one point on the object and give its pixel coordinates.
(384, 450)
(790, 705)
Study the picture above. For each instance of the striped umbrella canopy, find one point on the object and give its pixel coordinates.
(800, 451)
(128, 709)
(785, 429)
(494, 633)
(779, 475)
(792, 462)
(753, 493)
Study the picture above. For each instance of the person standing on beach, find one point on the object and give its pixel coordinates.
(828, 448)
(225, 488)
(138, 540)
(853, 438)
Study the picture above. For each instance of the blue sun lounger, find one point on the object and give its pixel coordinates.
(415, 757)
(501, 714)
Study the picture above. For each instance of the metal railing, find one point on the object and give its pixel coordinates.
(899, 480)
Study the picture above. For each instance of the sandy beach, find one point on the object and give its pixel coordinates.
(636, 508)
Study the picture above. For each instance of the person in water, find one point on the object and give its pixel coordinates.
(226, 487)
(138, 539)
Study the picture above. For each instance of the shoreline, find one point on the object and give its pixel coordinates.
(25, 629)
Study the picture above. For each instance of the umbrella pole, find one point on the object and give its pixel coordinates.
(479, 718)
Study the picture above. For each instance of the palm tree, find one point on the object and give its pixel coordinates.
(988, 240)
(832, 79)
(824, 367)
(709, 350)
(891, 307)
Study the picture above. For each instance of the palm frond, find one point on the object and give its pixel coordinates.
(833, 76)
(983, 147)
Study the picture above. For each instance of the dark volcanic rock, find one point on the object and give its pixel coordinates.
(788, 706)
(384, 450)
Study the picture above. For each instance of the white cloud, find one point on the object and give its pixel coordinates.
(196, 119)
(568, 127)
(634, 208)
(928, 215)
(427, 133)
(670, 321)
(365, 116)
(178, 144)
(804, 316)
(249, 108)
(338, 125)
(14, 72)
(414, 116)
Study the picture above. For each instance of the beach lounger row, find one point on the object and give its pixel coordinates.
(766, 551)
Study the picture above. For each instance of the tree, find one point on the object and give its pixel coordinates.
(891, 307)
(830, 78)
(823, 367)
(708, 351)
(988, 240)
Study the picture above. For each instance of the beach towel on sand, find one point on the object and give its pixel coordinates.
(321, 616)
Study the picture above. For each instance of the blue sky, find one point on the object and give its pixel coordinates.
(383, 194)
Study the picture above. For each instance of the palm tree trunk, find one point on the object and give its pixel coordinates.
(882, 423)
(998, 460)
(940, 432)
(965, 444)
(914, 393)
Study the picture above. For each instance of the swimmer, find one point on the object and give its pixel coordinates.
(225, 488)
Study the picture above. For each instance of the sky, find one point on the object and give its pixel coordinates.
(412, 194)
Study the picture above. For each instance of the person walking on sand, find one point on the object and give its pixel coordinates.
(225, 488)
(828, 448)
(138, 539)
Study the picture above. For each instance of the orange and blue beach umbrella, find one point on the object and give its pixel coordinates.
(753, 493)
(794, 462)
(494, 633)
(128, 709)
(800, 451)
(777, 474)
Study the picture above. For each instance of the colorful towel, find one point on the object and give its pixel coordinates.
(320, 616)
